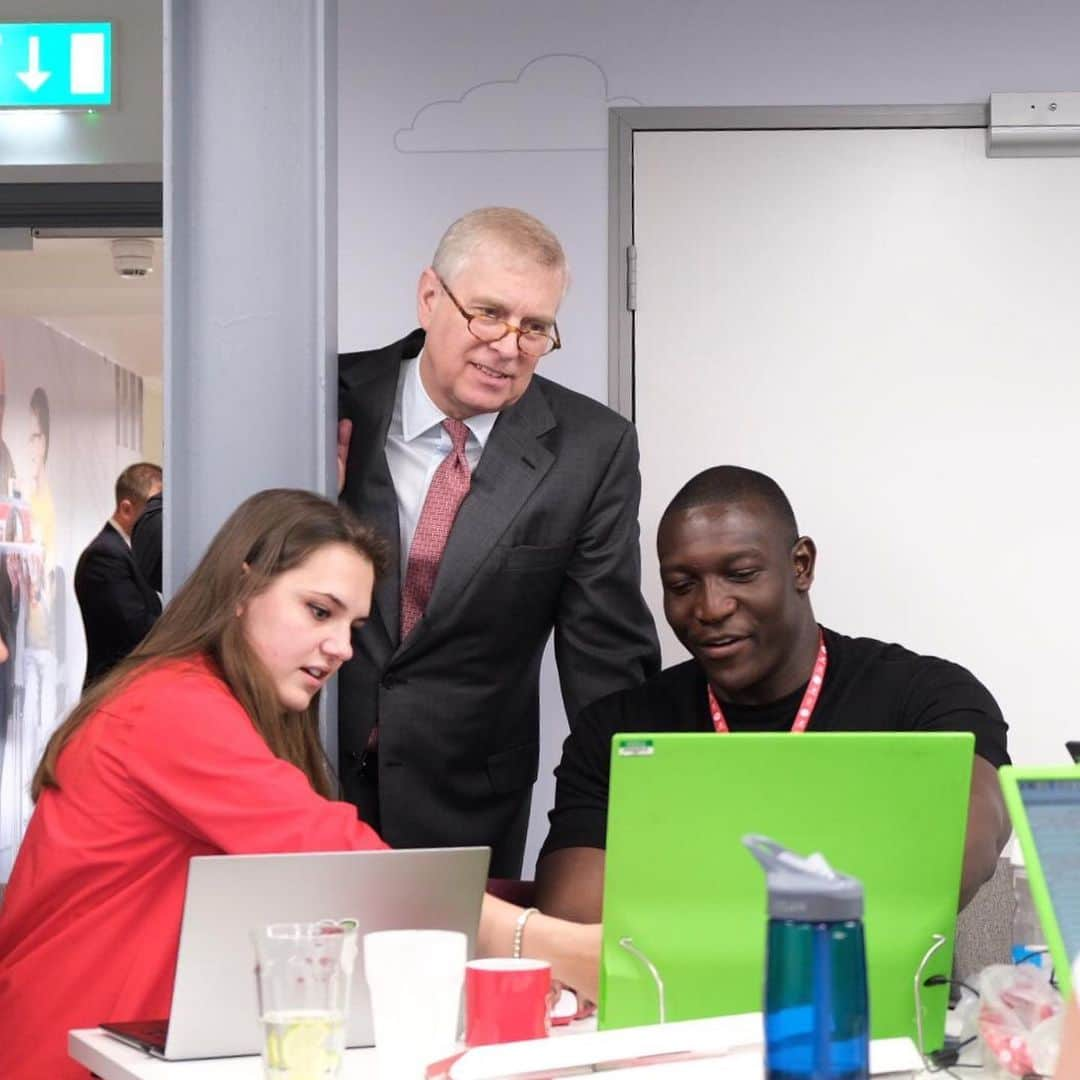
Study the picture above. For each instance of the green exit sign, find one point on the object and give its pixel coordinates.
(55, 65)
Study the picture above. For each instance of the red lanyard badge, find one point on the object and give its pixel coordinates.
(806, 706)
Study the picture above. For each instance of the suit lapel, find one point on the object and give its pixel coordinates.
(370, 388)
(513, 464)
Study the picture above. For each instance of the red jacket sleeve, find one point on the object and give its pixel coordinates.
(193, 758)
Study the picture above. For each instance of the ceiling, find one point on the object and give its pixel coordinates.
(70, 284)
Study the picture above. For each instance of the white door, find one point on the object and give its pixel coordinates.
(885, 321)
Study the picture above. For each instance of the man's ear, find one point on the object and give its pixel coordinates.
(427, 293)
(803, 561)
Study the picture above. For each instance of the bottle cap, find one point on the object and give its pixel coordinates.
(805, 888)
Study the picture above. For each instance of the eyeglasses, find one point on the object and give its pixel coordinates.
(485, 328)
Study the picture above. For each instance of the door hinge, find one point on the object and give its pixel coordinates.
(631, 278)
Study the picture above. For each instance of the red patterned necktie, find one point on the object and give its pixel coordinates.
(449, 486)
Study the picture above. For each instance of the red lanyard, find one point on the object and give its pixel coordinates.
(806, 707)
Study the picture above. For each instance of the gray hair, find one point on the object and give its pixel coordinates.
(520, 232)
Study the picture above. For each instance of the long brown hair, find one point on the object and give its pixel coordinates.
(268, 534)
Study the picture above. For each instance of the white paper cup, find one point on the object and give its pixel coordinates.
(415, 978)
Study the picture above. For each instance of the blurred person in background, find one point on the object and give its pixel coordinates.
(118, 605)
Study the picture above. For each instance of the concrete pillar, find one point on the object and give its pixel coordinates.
(250, 235)
(251, 259)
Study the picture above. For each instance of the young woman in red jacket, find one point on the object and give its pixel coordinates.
(204, 741)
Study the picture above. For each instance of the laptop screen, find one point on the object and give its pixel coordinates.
(1053, 813)
(676, 819)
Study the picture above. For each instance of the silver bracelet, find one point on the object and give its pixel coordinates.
(519, 930)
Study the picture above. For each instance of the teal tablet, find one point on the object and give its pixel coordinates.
(682, 890)
(1044, 804)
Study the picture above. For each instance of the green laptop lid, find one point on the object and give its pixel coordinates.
(1044, 806)
(681, 892)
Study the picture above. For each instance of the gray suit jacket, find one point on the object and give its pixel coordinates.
(547, 538)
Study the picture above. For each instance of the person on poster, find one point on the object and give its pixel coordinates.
(7, 465)
(7, 595)
(39, 656)
(511, 503)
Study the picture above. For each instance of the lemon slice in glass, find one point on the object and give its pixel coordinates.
(303, 1052)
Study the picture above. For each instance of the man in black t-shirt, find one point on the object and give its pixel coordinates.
(736, 578)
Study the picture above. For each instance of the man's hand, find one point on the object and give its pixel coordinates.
(344, 436)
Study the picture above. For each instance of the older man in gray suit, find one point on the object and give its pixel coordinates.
(511, 505)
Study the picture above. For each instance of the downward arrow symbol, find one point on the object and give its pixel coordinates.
(33, 76)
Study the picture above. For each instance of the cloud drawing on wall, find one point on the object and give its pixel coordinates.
(556, 102)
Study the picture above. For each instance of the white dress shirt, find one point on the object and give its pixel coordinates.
(417, 443)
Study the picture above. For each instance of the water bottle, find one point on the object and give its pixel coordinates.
(817, 1019)
(1028, 942)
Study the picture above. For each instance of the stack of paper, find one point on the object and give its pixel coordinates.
(684, 1050)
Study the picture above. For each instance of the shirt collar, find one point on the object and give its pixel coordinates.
(419, 414)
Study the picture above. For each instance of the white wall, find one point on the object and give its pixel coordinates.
(121, 142)
(533, 131)
(868, 336)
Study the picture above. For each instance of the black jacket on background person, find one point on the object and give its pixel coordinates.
(118, 606)
(146, 543)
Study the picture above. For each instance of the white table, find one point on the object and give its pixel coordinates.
(113, 1060)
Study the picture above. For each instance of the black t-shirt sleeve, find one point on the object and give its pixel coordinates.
(674, 700)
(947, 697)
(579, 817)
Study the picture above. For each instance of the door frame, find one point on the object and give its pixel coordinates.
(623, 125)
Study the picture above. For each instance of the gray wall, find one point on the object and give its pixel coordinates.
(517, 128)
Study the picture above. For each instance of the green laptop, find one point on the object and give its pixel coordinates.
(682, 894)
(1044, 805)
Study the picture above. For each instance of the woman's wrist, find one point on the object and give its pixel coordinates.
(572, 949)
(519, 932)
(563, 944)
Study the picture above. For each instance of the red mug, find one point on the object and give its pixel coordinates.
(506, 1000)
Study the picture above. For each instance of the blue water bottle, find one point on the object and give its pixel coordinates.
(817, 1021)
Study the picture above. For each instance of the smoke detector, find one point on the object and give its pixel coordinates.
(133, 258)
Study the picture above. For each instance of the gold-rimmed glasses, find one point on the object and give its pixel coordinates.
(488, 329)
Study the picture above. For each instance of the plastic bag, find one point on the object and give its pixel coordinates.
(1020, 1020)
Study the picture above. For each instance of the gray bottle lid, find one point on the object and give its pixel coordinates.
(805, 888)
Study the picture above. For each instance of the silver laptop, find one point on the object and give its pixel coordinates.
(214, 1007)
